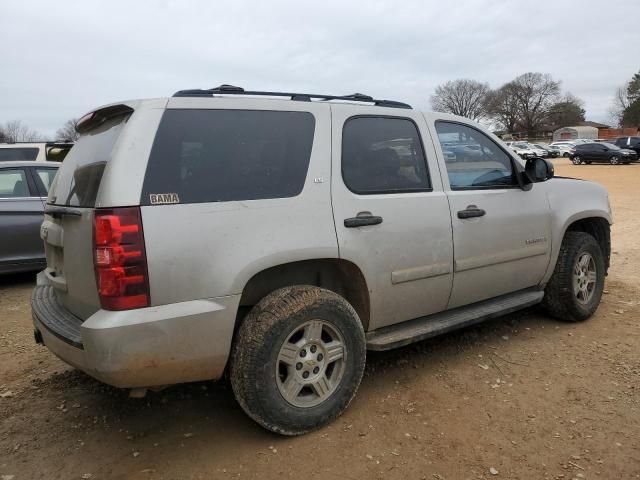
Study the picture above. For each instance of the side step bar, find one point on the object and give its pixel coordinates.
(404, 333)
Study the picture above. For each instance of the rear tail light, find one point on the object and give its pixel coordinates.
(120, 259)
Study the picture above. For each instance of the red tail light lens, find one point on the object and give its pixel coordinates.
(120, 259)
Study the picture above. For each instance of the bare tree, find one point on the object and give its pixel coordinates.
(619, 105)
(502, 107)
(16, 131)
(463, 97)
(68, 131)
(535, 94)
(3, 135)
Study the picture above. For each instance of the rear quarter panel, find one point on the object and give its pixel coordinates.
(207, 250)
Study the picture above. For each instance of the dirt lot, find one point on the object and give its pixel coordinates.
(524, 395)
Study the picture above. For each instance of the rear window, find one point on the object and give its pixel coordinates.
(18, 153)
(225, 155)
(80, 174)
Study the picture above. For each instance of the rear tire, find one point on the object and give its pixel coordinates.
(575, 289)
(298, 359)
(614, 160)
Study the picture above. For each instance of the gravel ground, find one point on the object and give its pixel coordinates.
(521, 397)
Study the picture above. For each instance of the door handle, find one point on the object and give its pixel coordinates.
(471, 211)
(362, 219)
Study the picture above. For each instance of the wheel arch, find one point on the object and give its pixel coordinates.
(337, 275)
(599, 228)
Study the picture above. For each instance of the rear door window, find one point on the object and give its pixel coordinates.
(13, 183)
(228, 155)
(18, 153)
(383, 155)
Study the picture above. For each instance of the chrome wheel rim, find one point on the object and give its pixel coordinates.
(614, 160)
(584, 278)
(310, 364)
(576, 160)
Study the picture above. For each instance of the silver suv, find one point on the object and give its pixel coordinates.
(279, 236)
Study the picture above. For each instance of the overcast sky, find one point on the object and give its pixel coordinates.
(61, 58)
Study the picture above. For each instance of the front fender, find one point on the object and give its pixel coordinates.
(572, 200)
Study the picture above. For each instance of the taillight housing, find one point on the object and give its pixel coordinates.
(120, 259)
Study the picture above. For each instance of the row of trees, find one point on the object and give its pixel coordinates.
(528, 103)
(626, 104)
(17, 131)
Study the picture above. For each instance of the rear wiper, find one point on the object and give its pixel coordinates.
(58, 211)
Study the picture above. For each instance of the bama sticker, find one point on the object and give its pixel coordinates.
(163, 198)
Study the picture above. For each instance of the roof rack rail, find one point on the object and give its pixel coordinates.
(302, 97)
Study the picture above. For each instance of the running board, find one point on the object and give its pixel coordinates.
(404, 333)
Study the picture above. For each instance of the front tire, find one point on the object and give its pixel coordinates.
(298, 359)
(614, 160)
(576, 160)
(575, 289)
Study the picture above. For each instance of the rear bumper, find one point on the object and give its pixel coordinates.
(163, 345)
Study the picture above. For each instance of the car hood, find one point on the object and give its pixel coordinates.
(582, 194)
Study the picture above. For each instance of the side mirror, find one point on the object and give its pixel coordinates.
(538, 169)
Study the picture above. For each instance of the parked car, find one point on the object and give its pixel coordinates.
(23, 189)
(545, 151)
(523, 149)
(38, 152)
(563, 147)
(587, 153)
(280, 238)
(630, 143)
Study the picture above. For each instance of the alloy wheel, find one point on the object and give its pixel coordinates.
(310, 364)
(584, 278)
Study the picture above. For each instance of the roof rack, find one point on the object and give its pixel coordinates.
(301, 97)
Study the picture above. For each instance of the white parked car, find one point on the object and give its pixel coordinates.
(524, 150)
(564, 147)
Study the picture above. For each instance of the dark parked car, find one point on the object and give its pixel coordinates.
(23, 192)
(601, 152)
(631, 143)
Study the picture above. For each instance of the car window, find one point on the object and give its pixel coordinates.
(228, 155)
(81, 172)
(383, 155)
(46, 176)
(477, 161)
(13, 183)
(18, 153)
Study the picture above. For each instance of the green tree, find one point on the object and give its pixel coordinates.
(626, 103)
(567, 112)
